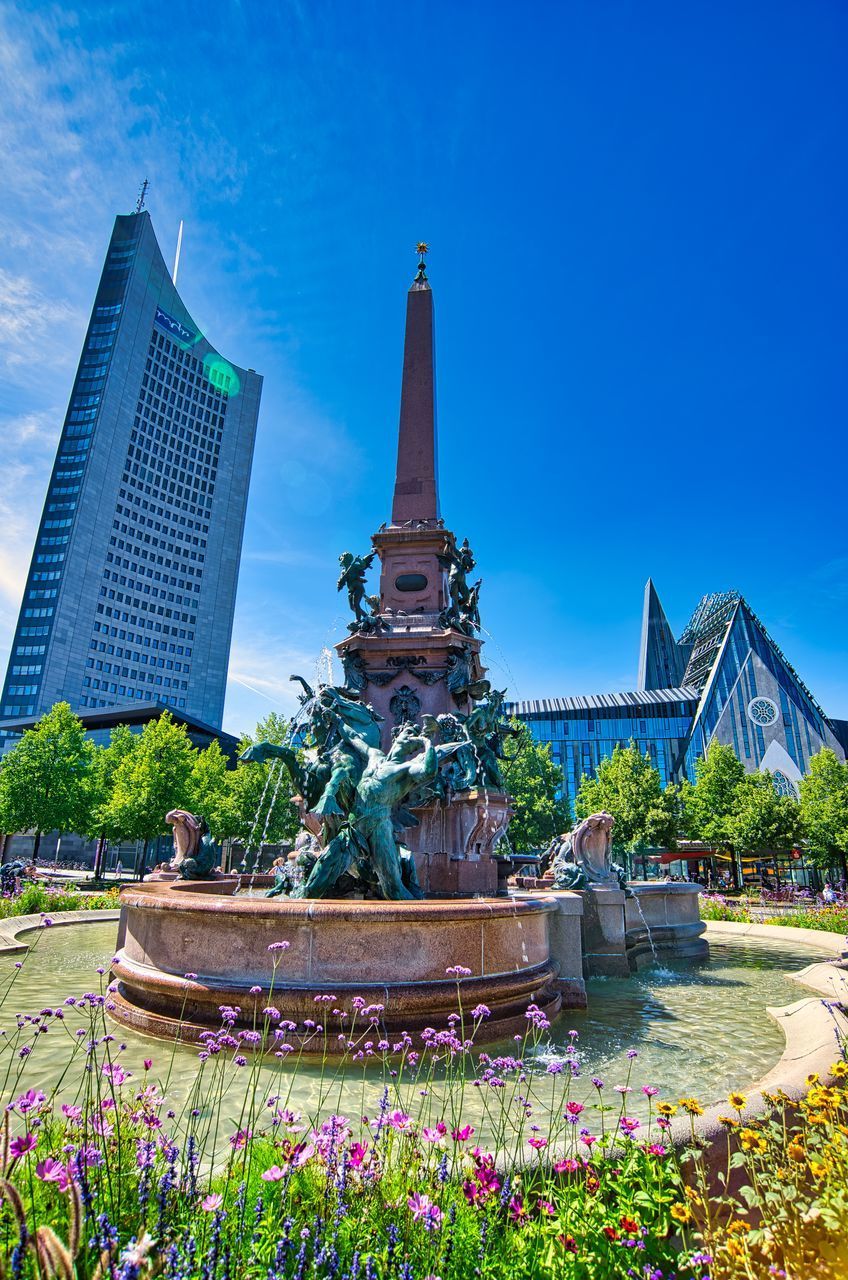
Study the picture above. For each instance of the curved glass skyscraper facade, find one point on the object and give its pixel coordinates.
(131, 589)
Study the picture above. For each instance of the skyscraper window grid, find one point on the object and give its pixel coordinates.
(156, 565)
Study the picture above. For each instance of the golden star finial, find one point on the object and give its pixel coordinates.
(422, 247)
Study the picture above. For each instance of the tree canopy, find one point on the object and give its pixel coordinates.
(629, 787)
(824, 808)
(44, 779)
(534, 781)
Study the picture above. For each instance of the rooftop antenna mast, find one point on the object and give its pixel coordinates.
(177, 255)
(139, 204)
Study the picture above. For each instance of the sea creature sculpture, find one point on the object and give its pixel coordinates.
(195, 852)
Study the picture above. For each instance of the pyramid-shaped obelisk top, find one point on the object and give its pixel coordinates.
(416, 498)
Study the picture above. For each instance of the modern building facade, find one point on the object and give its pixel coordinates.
(723, 680)
(131, 590)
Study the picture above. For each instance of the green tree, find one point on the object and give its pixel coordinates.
(824, 809)
(209, 791)
(254, 788)
(44, 779)
(535, 783)
(104, 767)
(152, 779)
(628, 786)
(764, 821)
(710, 806)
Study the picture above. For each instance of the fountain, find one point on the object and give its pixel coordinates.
(402, 804)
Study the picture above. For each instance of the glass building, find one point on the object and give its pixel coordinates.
(723, 680)
(131, 588)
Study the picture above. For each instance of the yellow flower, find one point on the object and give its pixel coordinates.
(795, 1151)
(735, 1249)
(818, 1169)
(692, 1105)
(813, 1077)
(738, 1224)
(817, 1117)
(729, 1122)
(738, 1101)
(691, 1194)
(681, 1213)
(666, 1109)
(839, 1070)
(751, 1140)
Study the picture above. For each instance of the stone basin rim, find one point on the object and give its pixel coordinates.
(160, 896)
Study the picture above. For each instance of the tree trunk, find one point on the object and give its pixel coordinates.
(98, 857)
(142, 867)
(36, 846)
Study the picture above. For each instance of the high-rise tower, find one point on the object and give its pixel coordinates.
(131, 589)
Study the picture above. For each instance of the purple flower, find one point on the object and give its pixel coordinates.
(481, 1011)
(20, 1146)
(51, 1170)
(424, 1211)
(256, 991)
(279, 946)
(458, 971)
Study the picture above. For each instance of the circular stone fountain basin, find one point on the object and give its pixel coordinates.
(394, 954)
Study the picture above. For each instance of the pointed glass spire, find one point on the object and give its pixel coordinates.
(661, 662)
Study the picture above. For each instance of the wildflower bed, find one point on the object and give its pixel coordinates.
(805, 915)
(105, 1177)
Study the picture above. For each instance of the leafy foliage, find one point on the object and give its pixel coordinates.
(44, 778)
(824, 807)
(534, 781)
(629, 787)
(151, 779)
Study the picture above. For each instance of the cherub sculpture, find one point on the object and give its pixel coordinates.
(352, 576)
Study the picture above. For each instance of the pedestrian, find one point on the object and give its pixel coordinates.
(119, 869)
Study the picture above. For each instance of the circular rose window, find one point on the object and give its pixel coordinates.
(762, 711)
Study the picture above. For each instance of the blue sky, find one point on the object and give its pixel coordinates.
(637, 218)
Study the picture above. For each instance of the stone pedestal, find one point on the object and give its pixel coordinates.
(566, 947)
(663, 920)
(604, 946)
(454, 843)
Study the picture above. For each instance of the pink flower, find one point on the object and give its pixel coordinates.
(424, 1211)
(71, 1113)
(51, 1170)
(20, 1146)
(656, 1149)
(538, 1144)
(517, 1212)
(567, 1166)
(210, 1203)
(462, 1135)
(435, 1135)
(574, 1108)
(399, 1120)
(274, 1174)
(356, 1154)
(649, 1091)
(240, 1139)
(148, 1063)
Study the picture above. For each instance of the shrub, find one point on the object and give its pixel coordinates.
(829, 919)
(714, 906)
(36, 898)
